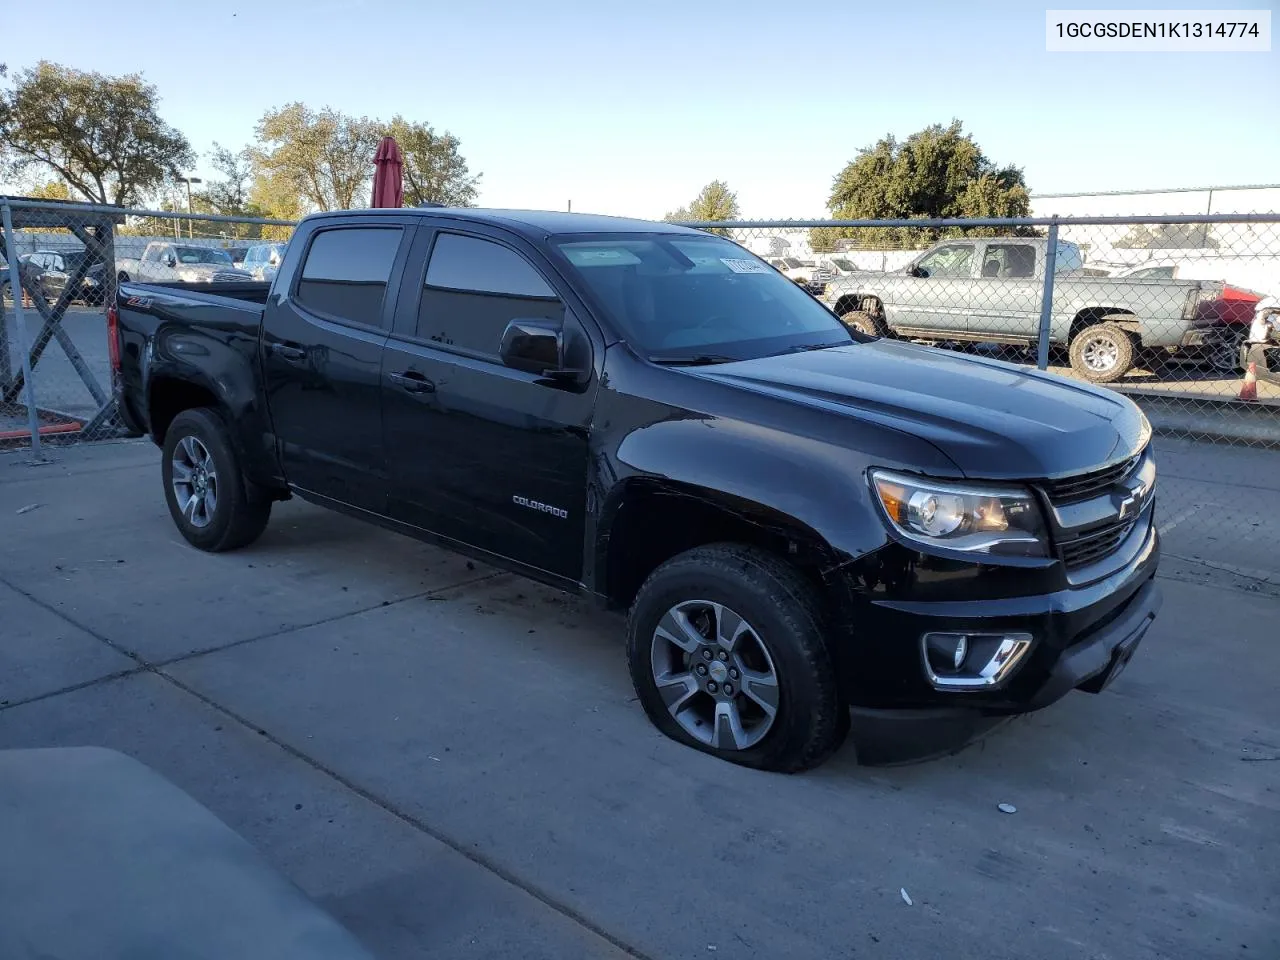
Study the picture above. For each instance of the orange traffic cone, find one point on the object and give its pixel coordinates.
(1249, 389)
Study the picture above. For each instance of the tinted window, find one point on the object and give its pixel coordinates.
(684, 295)
(482, 266)
(346, 272)
(475, 288)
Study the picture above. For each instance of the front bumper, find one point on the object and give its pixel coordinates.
(1081, 638)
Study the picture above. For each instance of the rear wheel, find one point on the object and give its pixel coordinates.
(1102, 353)
(210, 501)
(726, 651)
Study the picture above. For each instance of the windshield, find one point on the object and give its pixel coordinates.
(679, 296)
(201, 255)
(845, 265)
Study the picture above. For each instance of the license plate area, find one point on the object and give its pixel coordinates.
(1120, 657)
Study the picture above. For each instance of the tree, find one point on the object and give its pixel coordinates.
(433, 168)
(1167, 236)
(714, 202)
(101, 135)
(325, 156)
(229, 195)
(936, 172)
(325, 159)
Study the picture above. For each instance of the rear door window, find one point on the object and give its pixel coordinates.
(346, 272)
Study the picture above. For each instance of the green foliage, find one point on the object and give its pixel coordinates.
(433, 169)
(101, 135)
(324, 157)
(714, 202)
(936, 172)
(1167, 236)
(309, 159)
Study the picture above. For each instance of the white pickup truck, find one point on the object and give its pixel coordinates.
(163, 260)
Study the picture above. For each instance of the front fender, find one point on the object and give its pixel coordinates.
(810, 486)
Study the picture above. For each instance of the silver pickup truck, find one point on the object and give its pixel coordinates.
(990, 290)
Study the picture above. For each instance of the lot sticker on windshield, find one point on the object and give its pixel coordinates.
(744, 266)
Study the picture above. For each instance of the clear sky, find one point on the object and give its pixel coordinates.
(630, 108)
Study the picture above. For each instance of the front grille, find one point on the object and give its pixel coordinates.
(1094, 545)
(1082, 486)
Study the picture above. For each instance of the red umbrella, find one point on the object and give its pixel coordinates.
(388, 186)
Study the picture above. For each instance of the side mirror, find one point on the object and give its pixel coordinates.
(534, 345)
(170, 261)
(274, 259)
(914, 271)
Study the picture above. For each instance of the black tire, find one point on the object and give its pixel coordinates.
(1102, 340)
(240, 513)
(785, 612)
(864, 322)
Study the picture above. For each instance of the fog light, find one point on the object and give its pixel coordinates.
(972, 661)
(946, 651)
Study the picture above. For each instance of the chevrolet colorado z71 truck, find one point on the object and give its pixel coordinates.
(990, 291)
(802, 520)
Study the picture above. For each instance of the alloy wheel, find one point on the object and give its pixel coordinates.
(715, 675)
(195, 481)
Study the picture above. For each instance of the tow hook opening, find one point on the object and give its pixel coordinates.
(971, 661)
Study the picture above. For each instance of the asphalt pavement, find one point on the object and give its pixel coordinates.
(451, 760)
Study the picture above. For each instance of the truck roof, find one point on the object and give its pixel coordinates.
(531, 223)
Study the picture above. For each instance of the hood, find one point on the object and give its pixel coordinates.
(992, 419)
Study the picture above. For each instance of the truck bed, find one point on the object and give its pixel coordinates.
(252, 291)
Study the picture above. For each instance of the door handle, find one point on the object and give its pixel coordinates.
(288, 351)
(413, 382)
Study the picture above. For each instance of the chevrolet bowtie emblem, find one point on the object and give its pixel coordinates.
(1132, 503)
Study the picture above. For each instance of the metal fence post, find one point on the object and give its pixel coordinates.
(1046, 301)
(20, 322)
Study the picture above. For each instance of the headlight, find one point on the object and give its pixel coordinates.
(190, 276)
(1002, 521)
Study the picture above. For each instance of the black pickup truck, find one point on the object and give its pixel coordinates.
(803, 521)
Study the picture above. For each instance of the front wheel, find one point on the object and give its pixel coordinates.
(726, 651)
(211, 503)
(1102, 353)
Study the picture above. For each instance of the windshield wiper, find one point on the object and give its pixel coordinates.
(696, 360)
(817, 346)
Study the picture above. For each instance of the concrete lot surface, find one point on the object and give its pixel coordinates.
(450, 759)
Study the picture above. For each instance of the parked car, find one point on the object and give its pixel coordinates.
(263, 260)
(237, 252)
(800, 519)
(164, 261)
(51, 271)
(990, 291)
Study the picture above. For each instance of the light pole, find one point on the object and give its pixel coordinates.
(189, 181)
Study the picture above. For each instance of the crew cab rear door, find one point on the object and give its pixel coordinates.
(324, 328)
(480, 453)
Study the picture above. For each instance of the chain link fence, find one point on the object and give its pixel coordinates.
(60, 264)
(1170, 311)
(1161, 310)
